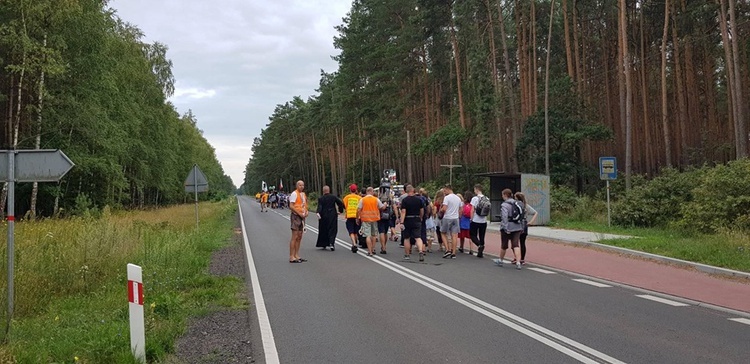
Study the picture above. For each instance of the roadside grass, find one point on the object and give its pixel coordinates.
(71, 297)
(726, 249)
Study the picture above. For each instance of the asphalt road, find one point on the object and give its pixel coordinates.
(340, 307)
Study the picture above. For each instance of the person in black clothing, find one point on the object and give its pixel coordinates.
(328, 219)
(412, 213)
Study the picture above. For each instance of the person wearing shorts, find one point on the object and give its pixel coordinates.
(298, 205)
(465, 221)
(510, 232)
(368, 213)
(351, 203)
(412, 213)
(449, 224)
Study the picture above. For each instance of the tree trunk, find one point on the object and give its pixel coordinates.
(454, 41)
(628, 95)
(515, 124)
(568, 51)
(648, 145)
(38, 141)
(740, 105)
(546, 90)
(681, 108)
(664, 109)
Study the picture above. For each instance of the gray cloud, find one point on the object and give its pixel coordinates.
(235, 60)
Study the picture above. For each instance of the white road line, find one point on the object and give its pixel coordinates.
(528, 328)
(741, 320)
(592, 283)
(540, 270)
(269, 344)
(662, 300)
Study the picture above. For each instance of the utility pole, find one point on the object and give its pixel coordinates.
(408, 158)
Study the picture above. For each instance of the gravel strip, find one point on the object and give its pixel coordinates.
(223, 336)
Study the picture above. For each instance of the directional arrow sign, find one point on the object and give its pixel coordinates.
(36, 165)
(196, 178)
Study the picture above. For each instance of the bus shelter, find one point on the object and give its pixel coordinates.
(534, 186)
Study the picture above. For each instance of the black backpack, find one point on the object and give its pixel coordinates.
(517, 212)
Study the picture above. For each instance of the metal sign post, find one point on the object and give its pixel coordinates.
(196, 182)
(36, 165)
(608, 172)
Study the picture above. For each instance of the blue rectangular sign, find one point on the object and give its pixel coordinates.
(608, 168)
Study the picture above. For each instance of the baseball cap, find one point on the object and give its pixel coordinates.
(353, 187)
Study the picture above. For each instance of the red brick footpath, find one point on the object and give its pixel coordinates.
(731, 293)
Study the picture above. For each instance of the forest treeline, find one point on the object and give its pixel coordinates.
(76, 77)
(655, 83)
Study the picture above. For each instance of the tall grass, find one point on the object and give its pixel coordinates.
(71, 274)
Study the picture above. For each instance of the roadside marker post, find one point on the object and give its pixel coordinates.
(27, 165)
(135, 306)
(608, 172)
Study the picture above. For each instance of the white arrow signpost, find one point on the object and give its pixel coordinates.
(37, 165)
(196, 182)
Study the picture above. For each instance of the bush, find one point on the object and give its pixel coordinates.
(563, 199)
(721, 199)
(657, 203)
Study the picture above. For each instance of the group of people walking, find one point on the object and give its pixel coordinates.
(449, 219)
(273, 199)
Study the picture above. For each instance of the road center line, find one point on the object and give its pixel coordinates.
(662, 300)
(269, 344)
(548, 337)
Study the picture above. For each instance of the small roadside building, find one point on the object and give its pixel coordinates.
(534, 186)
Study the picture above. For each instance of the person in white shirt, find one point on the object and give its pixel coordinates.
(449, 224)
(478, 227)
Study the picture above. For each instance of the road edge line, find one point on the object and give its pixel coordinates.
(269, 344)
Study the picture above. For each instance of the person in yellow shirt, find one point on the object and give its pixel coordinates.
(368, 213)
(264, 202)
(351, 202)
(298, 205)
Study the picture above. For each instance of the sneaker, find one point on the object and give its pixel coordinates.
(333, 248)
(461, 250)
(498, 262)
(471, 252)
(523, 262)
(354, 248)
(513, 262)
(383, 252)
(518, 265)
(369, 254)
(421, 257)
(406, 257)
(480, 251)
(453, 256)
(447, 255)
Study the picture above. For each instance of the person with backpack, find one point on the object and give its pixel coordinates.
(465, 222)
(427, 205)
(478, 225)
(530, 212)
(438, 214)
(386, 214)
(511, 227)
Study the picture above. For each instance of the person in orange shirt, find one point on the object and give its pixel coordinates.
(298, 205)
(264, 202)
(351, 204)
(368, 213)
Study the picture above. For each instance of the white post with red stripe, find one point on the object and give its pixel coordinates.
(135, 299)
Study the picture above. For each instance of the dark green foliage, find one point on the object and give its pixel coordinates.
(721, 199)
(657, 202)
(105, 105)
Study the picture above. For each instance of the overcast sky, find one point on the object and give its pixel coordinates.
(235, 60)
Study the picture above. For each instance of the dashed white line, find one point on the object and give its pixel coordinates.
(543, 271)
(662, 300)
(592, 283)
(269, 344)
(741, 320)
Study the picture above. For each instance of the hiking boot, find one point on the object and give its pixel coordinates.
(498, 262)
